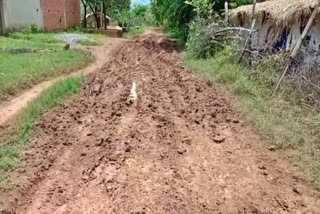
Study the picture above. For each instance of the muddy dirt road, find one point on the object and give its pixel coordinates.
(175, 147)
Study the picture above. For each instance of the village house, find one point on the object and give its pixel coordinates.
(47, 15)
(279, 24)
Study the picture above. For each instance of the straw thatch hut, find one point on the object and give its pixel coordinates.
(279, 23)
(103, 19)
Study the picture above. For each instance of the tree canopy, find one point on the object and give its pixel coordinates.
(177, 14)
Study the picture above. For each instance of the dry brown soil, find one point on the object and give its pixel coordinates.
(178, 148)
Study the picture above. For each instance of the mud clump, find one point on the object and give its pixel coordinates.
(159, 43)
(157, 156)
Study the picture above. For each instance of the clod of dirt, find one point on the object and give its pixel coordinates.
(219, 139)
(187, 141)
(296, 190)
(128, 148)
(181, 151)
(97, 88)
(272, 148)
(235, 120)
(262, 167)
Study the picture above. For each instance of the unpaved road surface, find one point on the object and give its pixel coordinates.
(11, 108)
(177, 148)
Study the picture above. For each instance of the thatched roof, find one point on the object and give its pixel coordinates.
(282, 12)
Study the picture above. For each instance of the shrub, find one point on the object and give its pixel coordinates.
(203, 42)
(31, 29)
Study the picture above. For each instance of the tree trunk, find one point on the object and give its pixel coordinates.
(95, 13)
(104, 15)
(84, 23)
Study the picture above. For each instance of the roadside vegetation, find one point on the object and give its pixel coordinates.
(28, 58)
(288, 121)
(132, 18)
(137, 19)
(283, 121)
(12, 144)
(48, 38)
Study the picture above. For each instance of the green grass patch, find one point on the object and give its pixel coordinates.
(41, 60)
(135, 31)
(50, 38)
(95, 38)
(53, 96)
(178, 35)
(90, 42)
(43, 38)
(281, 120)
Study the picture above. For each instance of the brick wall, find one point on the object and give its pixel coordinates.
(53, 14)
(73, 13)
(60, 14)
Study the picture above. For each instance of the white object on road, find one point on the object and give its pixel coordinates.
(133, 92)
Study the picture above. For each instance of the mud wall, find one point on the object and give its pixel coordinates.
(18, 14)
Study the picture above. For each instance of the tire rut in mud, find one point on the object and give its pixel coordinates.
(105, 153)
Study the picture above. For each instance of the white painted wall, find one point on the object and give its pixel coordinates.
(22, 13)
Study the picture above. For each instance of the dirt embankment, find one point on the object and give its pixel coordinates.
(176, 147)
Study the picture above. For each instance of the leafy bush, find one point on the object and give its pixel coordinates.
(201, 43)
(173, 15)
(31, 29)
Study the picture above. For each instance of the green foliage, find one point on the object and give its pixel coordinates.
(200, 43)
(135, 31)
(178, 16)
(202, 7)
(173, 15)
(136, 17)
(37, 37)
(139, 10)
(31, 29)
(112, 8)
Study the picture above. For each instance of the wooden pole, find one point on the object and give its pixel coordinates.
(253, 23)
(297, 46)
(101, 20)
(226, 18)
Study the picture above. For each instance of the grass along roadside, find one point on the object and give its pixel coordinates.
(135, 31)
(51, 38)
(288, 125)
(53, 96)
(38, 60)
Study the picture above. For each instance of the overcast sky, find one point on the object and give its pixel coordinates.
(140, 1)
